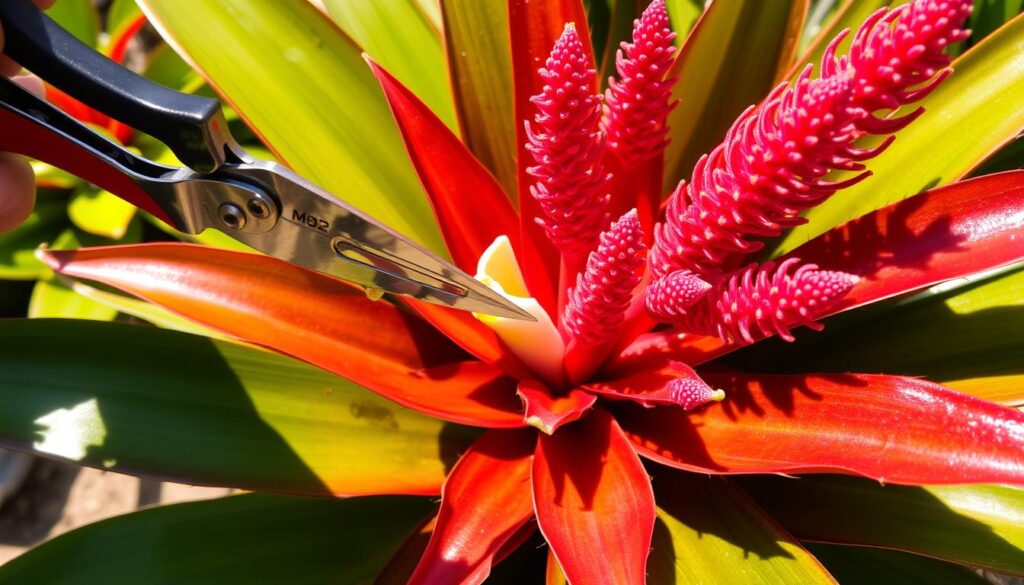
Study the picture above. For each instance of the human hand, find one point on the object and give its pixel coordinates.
(17, 183)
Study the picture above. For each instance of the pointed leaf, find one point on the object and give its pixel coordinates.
(534, 27)
(480, 64)
(397, 356)
(978, 525)
(484, 502)
(893, 429)
(303, 86)
(594, 501)
(546, 412)
(468, 203)
(251, 538)
(166, 404)
(729, 62)
(981, 100)
(710, 531)
(399, 36)
(855, 565)
(946, 233)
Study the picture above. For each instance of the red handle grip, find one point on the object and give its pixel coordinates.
(28, 136)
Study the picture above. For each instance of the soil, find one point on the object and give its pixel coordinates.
(58, 496)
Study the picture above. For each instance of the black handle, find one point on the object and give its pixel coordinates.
(193, 127)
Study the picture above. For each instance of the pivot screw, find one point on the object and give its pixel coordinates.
(231, 216)
(258, 208)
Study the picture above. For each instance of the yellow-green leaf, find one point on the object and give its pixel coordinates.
(481, 68)
(849, 16)
(303, 85)
(17, 247)
(400, 37)
(79, 17)
(100, 213)
(709, 531)
(684, 13)
(973, 113)
(730, 61)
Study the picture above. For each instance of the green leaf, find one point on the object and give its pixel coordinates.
(989, 15)
(970, 339)
(868, 566)
(303, 85)
(849, 15)
(477, 39)
(120, 14)
(684, 13)
(100, 213)
(970, 116)
(79, 17)
(980, 525)
(709, 531)
(54, 299)
(17, 247)
(730, 61)
(155, 402)
(400, 37)
(251, 538)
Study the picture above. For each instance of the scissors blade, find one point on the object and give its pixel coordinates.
(321, 232)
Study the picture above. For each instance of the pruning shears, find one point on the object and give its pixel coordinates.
(260, 203)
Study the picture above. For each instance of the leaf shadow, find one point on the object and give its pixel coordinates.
(851, 510)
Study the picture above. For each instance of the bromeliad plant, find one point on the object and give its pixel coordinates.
(601, 420)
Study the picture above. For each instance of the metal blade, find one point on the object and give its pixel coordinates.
(319, 231)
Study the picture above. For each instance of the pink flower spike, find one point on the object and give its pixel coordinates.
(771, 165)
(566, 143)
(670, 296)
(769, 168)
(638, 103)
(898, 56)
(692, 393)
(761, 301)
(597, 305)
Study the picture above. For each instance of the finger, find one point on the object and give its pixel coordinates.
(31, 83)
(17, 190)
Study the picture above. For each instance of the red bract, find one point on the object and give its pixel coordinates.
(619, 394)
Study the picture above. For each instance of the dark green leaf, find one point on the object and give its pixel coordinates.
(868, 566)
(252, 538)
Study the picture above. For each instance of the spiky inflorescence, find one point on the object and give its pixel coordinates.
(897, 57)
(758, 302)
(670, 296)
(598, 303)
(692, 393)
(769, 167)
(638, 103)
(567, 144)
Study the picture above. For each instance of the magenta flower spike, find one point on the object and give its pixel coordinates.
(598, 303)
(638, 103)
(670, 296)
(772, 163)
(761, 301)
(567, 145)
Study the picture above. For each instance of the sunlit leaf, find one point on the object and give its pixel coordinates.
(17, 247)
(100, 212)
(979, 525)
(399, 36)
(304, 87)
(849, 15)
(709, 531)
(476, 37)
(252, 538)
(729, 61)
(210, 413)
